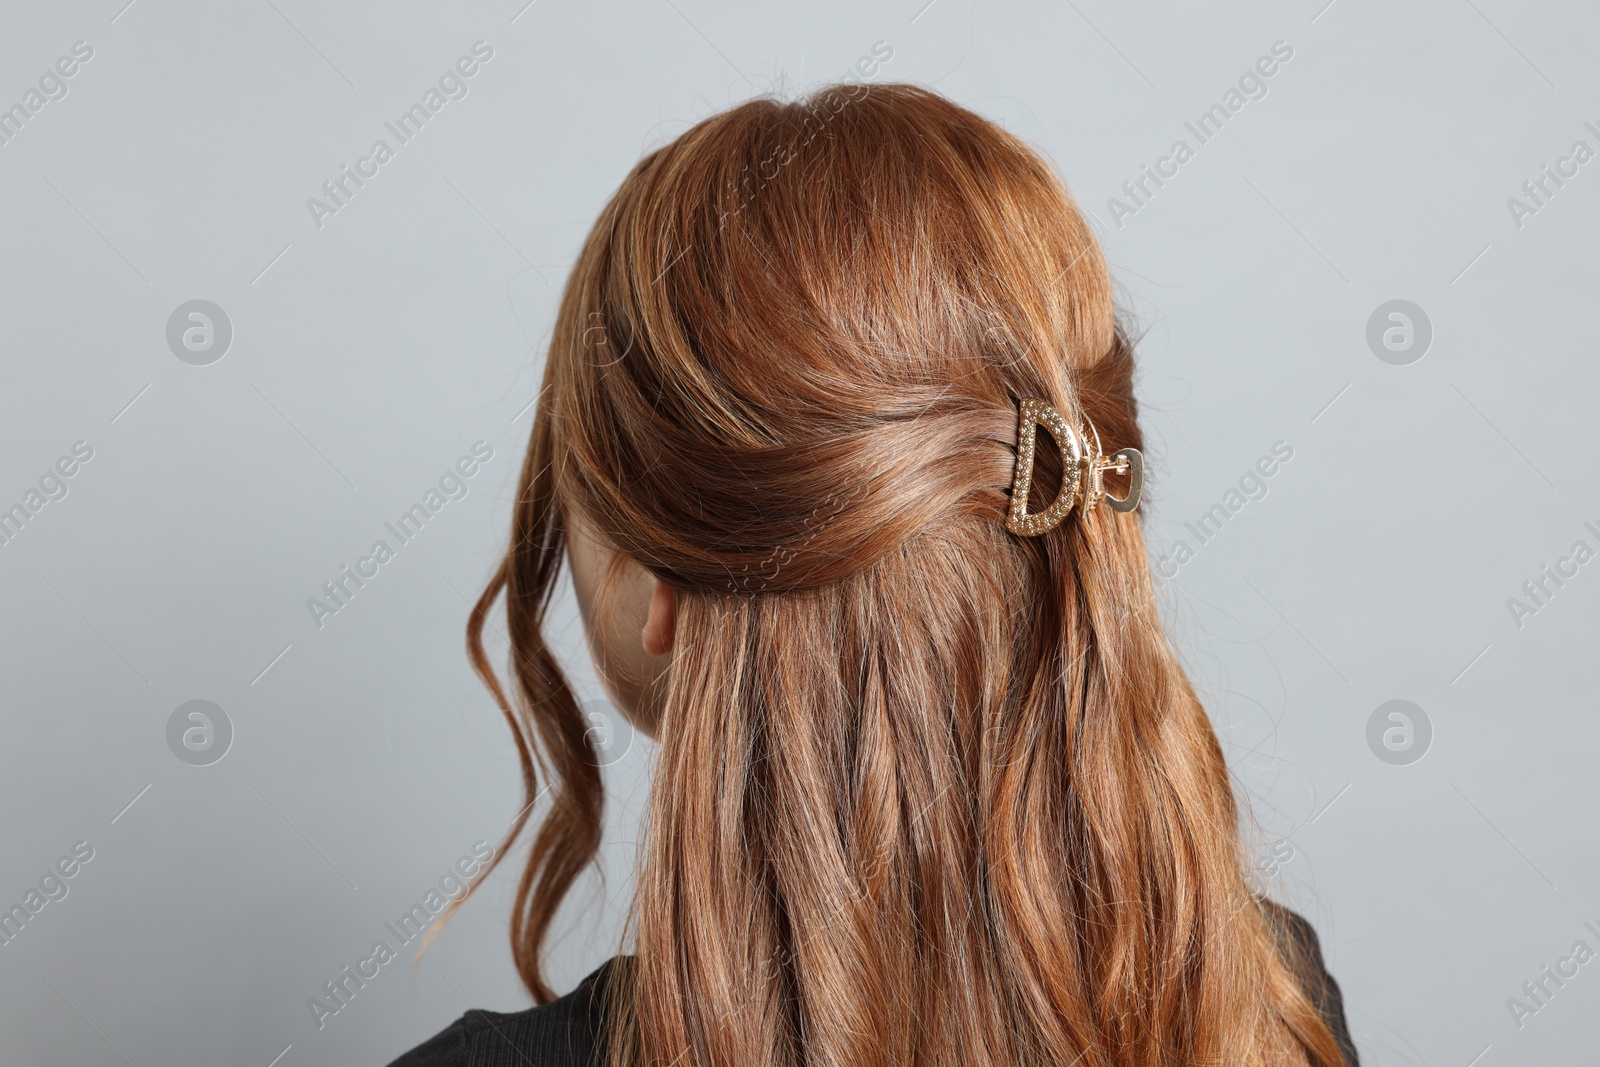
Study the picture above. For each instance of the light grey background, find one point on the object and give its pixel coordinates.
(370, 353)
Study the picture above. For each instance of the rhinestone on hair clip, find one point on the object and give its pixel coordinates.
(1082, 475)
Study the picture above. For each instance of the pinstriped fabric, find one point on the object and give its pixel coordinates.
(562, 1033)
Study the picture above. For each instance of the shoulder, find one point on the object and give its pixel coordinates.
(560, 1033)
(1296, 936)
(1302, 951)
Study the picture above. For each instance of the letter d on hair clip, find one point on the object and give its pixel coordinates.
(1082, 474)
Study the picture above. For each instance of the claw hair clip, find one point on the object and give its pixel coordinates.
(1083, 471)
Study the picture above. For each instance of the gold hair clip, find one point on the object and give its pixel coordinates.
(1082, 474)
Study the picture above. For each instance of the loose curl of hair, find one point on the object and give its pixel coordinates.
(926, 792)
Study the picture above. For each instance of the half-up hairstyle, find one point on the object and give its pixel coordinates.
(926, 792)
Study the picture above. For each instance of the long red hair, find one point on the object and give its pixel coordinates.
(926, 792)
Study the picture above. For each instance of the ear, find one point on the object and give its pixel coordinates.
(661, 623)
